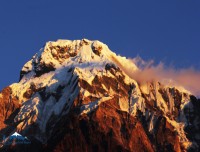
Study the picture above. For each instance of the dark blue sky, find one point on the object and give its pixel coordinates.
(167, 31)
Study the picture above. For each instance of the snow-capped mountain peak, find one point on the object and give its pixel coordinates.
(84, 77)
(78, 53)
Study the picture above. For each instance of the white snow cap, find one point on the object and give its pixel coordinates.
(78, 52)
(16, 134)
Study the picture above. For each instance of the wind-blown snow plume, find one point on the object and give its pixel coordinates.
(187, 78)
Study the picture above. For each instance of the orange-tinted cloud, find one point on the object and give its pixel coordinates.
(188, 78)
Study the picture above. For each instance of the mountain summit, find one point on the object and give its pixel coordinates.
(78, 96)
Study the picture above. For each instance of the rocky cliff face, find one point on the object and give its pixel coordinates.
(76, 96)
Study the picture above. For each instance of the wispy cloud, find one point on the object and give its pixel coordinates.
(188, 78)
